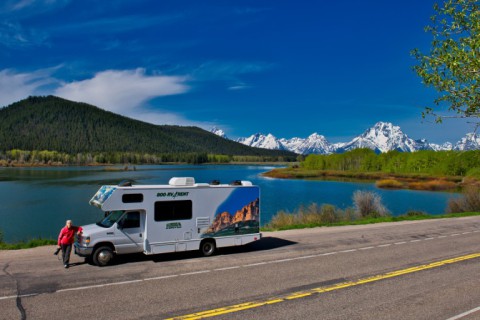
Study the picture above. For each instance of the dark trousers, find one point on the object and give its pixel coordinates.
(66, 250)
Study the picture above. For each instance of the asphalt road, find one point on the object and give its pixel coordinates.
(409, 270)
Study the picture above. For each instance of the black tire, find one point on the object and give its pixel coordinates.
(102, 256)
(208, 248)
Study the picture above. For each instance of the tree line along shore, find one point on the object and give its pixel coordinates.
(39, 158)
(421, 170)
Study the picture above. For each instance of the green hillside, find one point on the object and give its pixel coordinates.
(52, 123)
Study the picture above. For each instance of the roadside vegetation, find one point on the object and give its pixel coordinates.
(421, 170)
(368, 208)
(25, 244)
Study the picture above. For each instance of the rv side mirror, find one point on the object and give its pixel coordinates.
(120, 225)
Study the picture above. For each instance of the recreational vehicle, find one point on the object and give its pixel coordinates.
(180, 216)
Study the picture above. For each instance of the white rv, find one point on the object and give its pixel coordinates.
(180, 216)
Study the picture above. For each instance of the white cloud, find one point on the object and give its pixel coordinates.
(122, 91)
(125, 92)
(15, 86)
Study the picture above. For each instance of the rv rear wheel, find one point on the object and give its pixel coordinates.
(207, 248)
(102, 256)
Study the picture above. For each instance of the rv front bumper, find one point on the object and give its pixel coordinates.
(83, 251)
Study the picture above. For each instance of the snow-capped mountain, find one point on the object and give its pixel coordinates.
(470, 142)
(259, 140)
(218, 132)
(382, 137)
(315, 143)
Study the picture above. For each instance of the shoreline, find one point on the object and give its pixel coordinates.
(382, 180)
(119, 165)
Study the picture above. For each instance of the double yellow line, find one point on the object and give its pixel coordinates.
(298, 295)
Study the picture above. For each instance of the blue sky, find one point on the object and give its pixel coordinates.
(289, 68)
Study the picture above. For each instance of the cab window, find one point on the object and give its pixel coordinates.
(130, 220)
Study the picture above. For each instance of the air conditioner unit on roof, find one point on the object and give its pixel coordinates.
(182, 181)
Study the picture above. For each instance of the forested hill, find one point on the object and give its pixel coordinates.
(52, 123)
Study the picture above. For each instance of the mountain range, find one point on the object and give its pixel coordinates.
(382, 137)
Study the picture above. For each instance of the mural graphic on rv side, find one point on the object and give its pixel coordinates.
(239, 214)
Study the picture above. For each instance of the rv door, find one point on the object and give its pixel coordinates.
(130, 232)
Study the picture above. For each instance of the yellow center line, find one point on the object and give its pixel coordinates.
(343, 285)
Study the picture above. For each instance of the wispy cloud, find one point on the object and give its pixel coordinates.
(128, 92)
(15, 86)
(30, 7)
(228, 70)
(121, 91)
(120, 24)
(239, 86)
(12, 34)
(15, 34)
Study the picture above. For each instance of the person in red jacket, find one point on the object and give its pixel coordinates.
(66, 238)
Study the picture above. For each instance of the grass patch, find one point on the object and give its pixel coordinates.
(433, 185)
(389, 184)
(369, 220)
(27, 244)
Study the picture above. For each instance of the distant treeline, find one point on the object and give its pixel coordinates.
(45, 157)
(449, 163)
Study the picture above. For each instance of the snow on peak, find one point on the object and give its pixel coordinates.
(260, 140)
(382, 137)
(471, 141)
(218, 132)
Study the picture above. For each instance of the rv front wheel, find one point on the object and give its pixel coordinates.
(102, 256)
(207, 248)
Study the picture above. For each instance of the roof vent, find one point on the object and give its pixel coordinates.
(125, 183)
(182, 181)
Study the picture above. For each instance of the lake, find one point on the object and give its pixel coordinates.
(35, 202)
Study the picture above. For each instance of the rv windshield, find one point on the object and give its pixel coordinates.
(110, 219)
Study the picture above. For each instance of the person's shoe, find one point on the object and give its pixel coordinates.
(66, 266)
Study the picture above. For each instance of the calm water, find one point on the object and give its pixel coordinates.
(36, 201)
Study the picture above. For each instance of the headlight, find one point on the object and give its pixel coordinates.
(87, 240)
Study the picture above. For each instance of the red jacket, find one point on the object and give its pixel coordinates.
(67, 236)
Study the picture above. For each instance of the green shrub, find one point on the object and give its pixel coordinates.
(474, 173)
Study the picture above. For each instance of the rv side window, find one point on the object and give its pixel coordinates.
(173, 210)
(132, 197)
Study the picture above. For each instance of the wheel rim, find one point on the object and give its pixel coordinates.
(104, 257)
(207, 248)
